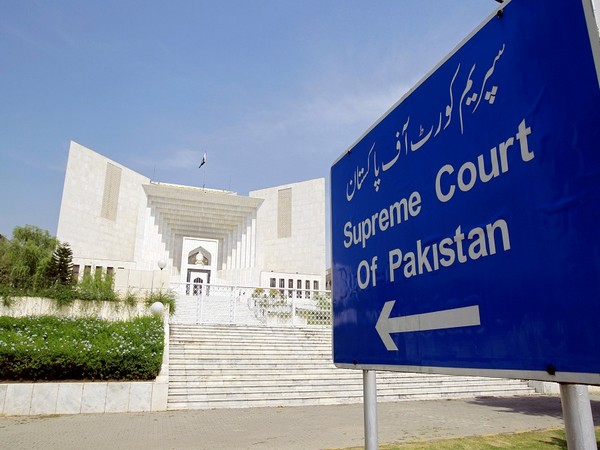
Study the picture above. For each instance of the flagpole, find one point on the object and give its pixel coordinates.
(200, 166)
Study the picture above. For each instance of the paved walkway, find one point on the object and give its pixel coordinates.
(314, 427)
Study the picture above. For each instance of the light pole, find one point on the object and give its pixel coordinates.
(162, 263)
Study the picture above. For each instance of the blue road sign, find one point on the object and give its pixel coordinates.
(466, 221)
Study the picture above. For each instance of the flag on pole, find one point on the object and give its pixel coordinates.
(203, 161)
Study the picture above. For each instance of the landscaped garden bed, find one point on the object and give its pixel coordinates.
(61, 348)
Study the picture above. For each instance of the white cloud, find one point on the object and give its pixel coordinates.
(327, 116)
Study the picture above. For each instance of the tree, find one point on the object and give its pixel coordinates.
(61, 268)
(24, 259)
(4, 271)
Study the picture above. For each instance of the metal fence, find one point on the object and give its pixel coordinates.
(207, 303)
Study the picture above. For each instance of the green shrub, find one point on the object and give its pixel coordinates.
(52, 348)
(6, 295)
(130, 298)
(166, 297)
(91, 288)
(64, 294)
(97, 287)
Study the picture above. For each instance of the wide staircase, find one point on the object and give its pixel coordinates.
(226, 366)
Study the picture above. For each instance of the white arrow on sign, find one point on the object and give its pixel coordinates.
(438, 320)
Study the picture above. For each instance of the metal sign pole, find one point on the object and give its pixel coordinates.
(370, 409)
(577, 413)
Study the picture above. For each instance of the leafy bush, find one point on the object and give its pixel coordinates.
(6, 295)
(97, 287)
(64, 294)
(52, 348)
(166, 297)
(129, 298)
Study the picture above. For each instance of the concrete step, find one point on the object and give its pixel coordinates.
(244, 399)
(329, 378)
(317, 375)
(247, 330)
(279, 350)
(329, 392)
(188, 337)
(332, 390)
(225, 366)
(206, 361)
(307, 378)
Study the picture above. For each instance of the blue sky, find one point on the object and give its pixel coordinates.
(272, 91)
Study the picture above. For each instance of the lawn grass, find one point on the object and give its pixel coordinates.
(554, 439)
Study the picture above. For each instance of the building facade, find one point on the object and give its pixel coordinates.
(115, 219)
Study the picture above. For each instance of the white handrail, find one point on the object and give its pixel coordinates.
(210, 303)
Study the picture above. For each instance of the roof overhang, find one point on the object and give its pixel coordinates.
(199, 212)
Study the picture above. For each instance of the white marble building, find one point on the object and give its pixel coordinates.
(116, 219)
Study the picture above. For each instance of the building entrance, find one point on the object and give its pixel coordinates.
(196, 278)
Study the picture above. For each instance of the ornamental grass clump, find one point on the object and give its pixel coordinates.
(166, 297)
(57, 348)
